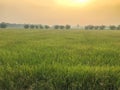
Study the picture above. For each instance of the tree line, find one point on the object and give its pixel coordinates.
(87, 27)
(102, 27)
(27, 26)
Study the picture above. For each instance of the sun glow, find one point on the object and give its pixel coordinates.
(80, 1)
(73, 2)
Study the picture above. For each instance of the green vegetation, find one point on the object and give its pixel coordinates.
(3, 25)
(59, 59)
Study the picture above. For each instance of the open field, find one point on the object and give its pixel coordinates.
(59, 60)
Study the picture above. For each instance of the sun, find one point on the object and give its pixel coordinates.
(80, 1)
(73, 3)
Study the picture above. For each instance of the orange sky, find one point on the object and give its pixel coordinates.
(53, 12)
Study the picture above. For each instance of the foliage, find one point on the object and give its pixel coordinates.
(91, 27)
(47, 26)
(41, 26)
(112, 27)
(56, 27)
(26, 26)
(59, 60)
(62, 27)
(67, 26)
(32, 26)
(3, 25)
(118, 27)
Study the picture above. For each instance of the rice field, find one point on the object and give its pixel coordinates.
(59, 59)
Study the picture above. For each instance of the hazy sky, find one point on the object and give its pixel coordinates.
(60, 11)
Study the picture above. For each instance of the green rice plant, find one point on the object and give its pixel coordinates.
(59, 60)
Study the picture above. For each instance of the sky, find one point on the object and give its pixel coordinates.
(52, 12)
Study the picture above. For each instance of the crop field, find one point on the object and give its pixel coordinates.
(59, 59)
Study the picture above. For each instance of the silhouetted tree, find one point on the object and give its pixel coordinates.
(112, 27)
(78, 26)
(67, 26)
(36, 27)
(3, 25)
(41, 27)
(56, 26)
(62, 27)
(89, 27)
(102, 27)
(118, 27)
(96, 27)
(47, 27)
(32, 26)
(26, 26)
(86, 27)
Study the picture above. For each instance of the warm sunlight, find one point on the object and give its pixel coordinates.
(80, 1)
(83, 12)
(73, 2)
(59, 44)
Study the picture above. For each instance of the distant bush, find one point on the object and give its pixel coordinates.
(67, 26)
(47, 26)
(56, 27)
(41, 26)
(112, 27)
(118, 27)
(26, 26)
(32, 26)
(3, 25)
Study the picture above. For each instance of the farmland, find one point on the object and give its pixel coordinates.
(59, 59)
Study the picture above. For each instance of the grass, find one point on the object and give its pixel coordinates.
(59, 60)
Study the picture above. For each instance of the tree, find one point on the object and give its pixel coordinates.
(32, 26)
(67, 26)
(61, 27)
(47, 27)
(41, 27)
(86, 27)
(3, 25)
(78, 26)
(26, 26)
(56, 26)
(36, 27)
(96, 27)
(102, 27)
(112, 27)
(118, 27)
(89, 27)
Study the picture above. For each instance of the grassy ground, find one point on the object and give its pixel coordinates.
(59, 60)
